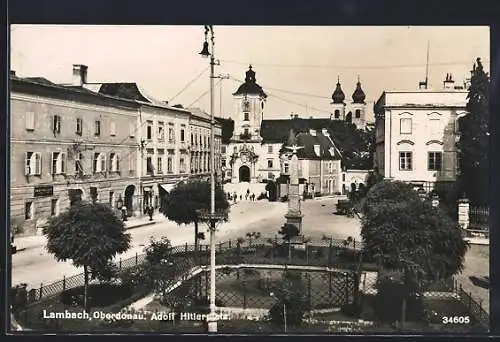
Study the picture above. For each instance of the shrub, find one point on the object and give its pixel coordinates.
(292, 301)
(262, 196)
(99, 295)
(19, 297)
(284, 198)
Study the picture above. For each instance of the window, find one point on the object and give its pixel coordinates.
(246, 131)
(161, 131)
(58, 163)
(169, 165)
(286, 168)
(149, 130)
(337, 113)
(405, 161)
(33, 164)
(54, 207)
(246, 117)
(115, 162)
(28, 211)
(434, 127)
(149, 165)
(99, 164)
(159, 162)
(270, 163)
(270, 149)
(171, 135)
(192, 139)
(270, 175)
(131, 164)
(343, 177)
(56, 124)
(357, 113)
(235, 149)
(182, 134)
(30, 121)
(78, 163)
(330, 167)
(79, 126)
(223, 149)
(94, 195)
(405, 126)
(97, 130)
(131, 129)
(112, 128)
(208, 142)
(182, 165)
(435, 161)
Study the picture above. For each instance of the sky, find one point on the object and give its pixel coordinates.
(297, 66)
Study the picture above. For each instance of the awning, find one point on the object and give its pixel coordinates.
(168, 187)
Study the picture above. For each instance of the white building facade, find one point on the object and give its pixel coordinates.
(416, 133)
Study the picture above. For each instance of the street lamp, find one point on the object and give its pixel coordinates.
(209, 52)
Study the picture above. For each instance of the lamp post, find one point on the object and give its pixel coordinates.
(206, 52)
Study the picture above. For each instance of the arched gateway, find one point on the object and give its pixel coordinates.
(244, 173)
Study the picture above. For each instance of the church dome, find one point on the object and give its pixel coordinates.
(359, 95)
(250, 87)
(338, 95)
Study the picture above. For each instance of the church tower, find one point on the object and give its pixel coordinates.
(250, 102)
(338, 104)
(358, 107)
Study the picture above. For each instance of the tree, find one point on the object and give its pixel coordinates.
(473, 145)
(227, 129)
(288, 231)
(90, 235)
(407, 235)
(182, 205)
(291, 300)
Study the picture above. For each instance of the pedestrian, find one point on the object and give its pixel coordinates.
(150, 212)
(124, 213)
(241, 197)
(246, 197)
(253, 197)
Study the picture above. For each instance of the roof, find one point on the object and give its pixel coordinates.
(43, 86)
(327, 149)
(277, 131)
(198, 112)
(250, 87)
(131, 91)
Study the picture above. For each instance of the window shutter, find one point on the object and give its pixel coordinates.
(30, 121)
(117, 163)
(103, 162)
(95, 160)
(63, 162)
(27, 163)
(38, 164)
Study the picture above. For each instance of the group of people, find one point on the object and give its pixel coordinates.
(234, 196)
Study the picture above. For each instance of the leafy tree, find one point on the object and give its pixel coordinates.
(271, 187)
(158, 263)
(291, 300)
(473, 145)
(90, 235)
(405, 234)
(288, 231)
(227, 129)
(184, 202)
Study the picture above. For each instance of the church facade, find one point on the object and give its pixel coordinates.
(253, 153)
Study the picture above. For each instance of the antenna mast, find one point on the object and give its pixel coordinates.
(427, 67)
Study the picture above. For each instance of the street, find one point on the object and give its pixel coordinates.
(259, 216)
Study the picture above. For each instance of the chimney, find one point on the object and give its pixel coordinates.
(325, 132)
(312, 132)
(12, 73)
(448, 83)
(79, 74)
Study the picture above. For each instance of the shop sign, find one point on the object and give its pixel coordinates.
(43, 191)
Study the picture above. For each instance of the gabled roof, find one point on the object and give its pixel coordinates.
(41, 80)
(277, 131)
(315, 146)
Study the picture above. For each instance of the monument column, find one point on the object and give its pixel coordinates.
(294, 214)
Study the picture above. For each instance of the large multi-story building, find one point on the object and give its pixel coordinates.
(161, 132)
(67, 143)
(252, 154)
(102, 142)
(416, 132)
(319, 160)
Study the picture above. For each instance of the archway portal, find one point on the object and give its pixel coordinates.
(129, 199)
(244, 174)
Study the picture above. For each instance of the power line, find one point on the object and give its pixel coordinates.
(395, 66)
(205, 93)
(189, 84)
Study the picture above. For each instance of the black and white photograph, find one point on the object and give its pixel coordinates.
(249, 179)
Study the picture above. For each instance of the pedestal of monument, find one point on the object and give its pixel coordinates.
(295, 218)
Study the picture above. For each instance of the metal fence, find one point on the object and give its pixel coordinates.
(256, 288)
(479, 218)
(264, 250)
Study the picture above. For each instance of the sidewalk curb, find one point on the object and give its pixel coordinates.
(148, 223)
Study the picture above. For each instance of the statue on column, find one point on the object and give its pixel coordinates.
(294, 214)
